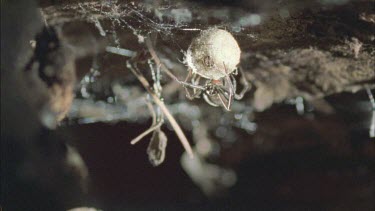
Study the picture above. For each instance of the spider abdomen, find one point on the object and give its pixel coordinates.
(213, 54)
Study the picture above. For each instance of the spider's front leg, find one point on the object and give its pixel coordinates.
(217, 94)
(226, 96)
(208, 100)
(195, 85)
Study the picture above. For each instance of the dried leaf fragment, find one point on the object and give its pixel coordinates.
(156, 147)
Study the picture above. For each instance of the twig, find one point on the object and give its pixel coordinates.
(154, 125)
(171, 119)
(145, 133)
(149, 105)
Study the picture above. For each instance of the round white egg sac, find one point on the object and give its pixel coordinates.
(213, 54)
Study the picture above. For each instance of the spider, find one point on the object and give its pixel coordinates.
(215, 92)
(213, 56)
(212, 60)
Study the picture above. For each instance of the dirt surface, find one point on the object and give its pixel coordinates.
(294, 50)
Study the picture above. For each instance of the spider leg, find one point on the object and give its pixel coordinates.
(234, 82)
(196, 92)
(231, 91)
(245, 83)
(224, 98)
(209, 101)
(225, 93)
(195, 80)
(188, 77)
(224, 101)
(186, 84)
